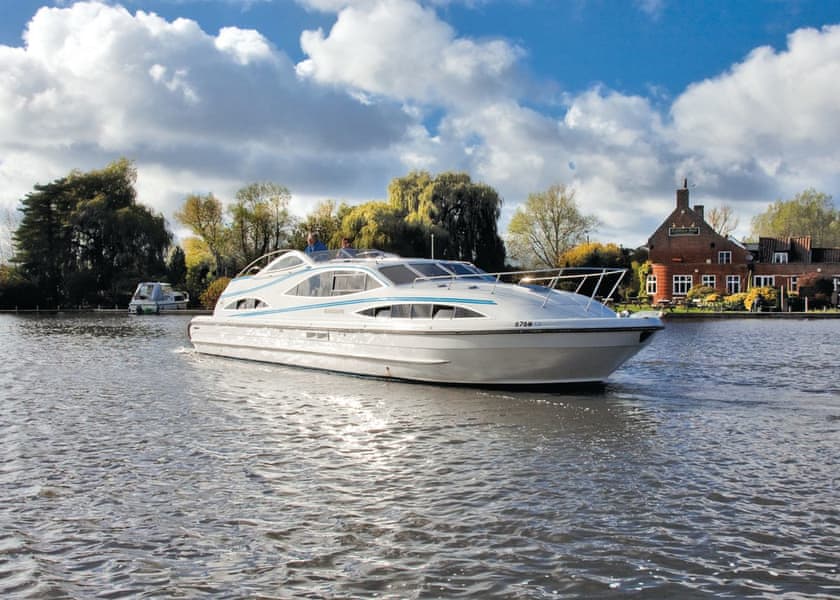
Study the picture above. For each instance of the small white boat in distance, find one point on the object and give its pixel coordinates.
(152, 297)
(443, 321)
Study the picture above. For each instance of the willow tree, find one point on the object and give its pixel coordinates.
(461, 214)
(547, 225)
(380, 225)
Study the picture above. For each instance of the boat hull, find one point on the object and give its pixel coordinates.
(542, 356)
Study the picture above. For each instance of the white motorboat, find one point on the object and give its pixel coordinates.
(152, 297)
(377, 314)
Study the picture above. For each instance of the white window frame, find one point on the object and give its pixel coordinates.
(780, 258)
(708, 280)
(681, 284)
(764, 280)
(725, 257)
(794, 283)
(733, 284)
(650, 285)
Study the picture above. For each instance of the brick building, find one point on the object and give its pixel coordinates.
(685, 251)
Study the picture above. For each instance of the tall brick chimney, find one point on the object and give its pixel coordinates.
(698, 208)
(682, 196)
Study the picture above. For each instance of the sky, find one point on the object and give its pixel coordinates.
(619, 100)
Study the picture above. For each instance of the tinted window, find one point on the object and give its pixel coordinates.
(429, 269)
(420, 311)
(399, 274)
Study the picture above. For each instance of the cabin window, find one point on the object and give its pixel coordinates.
(246, 304)
(650, 285)
(398, 274)
(724, 257)
(334, 283)
(351, 283)
(420, 311)
(682, 283)
(780, 258)
(708, 280)
(733, 284)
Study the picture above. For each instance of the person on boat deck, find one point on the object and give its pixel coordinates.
(346, 250)
(313, 244)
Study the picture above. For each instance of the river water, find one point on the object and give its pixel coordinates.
(130, 466)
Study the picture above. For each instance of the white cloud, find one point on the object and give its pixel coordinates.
(245, 45)
(94, 82)
(392, 87)
(775, 113)
(399, 49)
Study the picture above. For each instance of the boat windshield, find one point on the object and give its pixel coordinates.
(144, 291)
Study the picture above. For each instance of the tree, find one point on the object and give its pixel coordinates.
(548, 225)
(809, 213)
(461, 214)
(84, 238)
(325, 220)
(722, 219)
(409, 196)
(380, 225)
(176, 267)
(204, 215)
(260, 220)
(593, 254)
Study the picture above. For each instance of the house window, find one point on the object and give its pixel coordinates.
(780, 258)
(650, 285)
(733, 284)
(682, 283)
(708, 280)
(764, 280)
(724, 257)
(794, 283)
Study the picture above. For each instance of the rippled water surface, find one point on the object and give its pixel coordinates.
(709, 466)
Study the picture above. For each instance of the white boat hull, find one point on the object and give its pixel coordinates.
(548, 355)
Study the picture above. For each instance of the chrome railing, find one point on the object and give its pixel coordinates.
(550, 279)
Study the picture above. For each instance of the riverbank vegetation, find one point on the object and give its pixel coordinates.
(86, 240)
